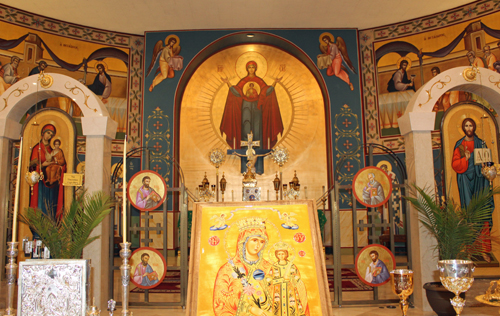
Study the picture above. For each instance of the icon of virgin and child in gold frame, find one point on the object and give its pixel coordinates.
(146, 190)
(148, 268)
(372, 187)
(373, 264)
(255, 266)
(48, 150)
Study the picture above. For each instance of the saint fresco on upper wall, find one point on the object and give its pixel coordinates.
(405, 65)
(104, 69)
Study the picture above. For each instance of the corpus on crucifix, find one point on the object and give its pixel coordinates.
(251, 159)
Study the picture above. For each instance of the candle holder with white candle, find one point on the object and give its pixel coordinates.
(125, 251)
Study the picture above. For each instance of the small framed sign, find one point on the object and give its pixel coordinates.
(72, 179)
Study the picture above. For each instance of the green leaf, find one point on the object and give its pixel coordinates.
(456, 229)
(66, 237)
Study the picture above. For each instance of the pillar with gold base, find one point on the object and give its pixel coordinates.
(125, 253)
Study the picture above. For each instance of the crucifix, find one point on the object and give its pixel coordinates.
(251, 158)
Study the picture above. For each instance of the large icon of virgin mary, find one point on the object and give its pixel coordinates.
(251, 106)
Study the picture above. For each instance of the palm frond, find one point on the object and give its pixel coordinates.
(456, 229)
(66, 237)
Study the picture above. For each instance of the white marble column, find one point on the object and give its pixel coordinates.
(416, 128)
(99, 132)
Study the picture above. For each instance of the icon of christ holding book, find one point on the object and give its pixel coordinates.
(469, 177)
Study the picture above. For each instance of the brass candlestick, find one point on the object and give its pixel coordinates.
(295, 186)
(223, 183)
(276, 183)
(93, 310)
(206, 193)
(402, 286)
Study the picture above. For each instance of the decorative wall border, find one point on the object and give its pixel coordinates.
(133, 42)
(368, 65)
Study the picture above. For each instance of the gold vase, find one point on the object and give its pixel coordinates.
(457, 277)
(402, 286)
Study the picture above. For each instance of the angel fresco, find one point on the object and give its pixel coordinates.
(335, 58)
(220, 221)
(288, 220)
(169, 60)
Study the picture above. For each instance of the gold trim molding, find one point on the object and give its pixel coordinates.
(75, 90)
(441, 85)
(496, 83)
(17, 92)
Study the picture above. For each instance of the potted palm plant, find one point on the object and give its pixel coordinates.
(61, 285)
(457, 231)
(66, 237)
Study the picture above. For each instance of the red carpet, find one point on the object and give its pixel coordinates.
(171, 283)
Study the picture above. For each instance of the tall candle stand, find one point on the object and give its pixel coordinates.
(11, 272)
(12, 251)
(125, 253)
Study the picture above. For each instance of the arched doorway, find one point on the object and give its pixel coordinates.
(416, 126)
(99, 130)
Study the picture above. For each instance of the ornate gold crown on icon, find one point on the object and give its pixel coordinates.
(282, 246)
(251, 222)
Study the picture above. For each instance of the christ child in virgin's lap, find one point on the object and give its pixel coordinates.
(54, 170)
(251, 92)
